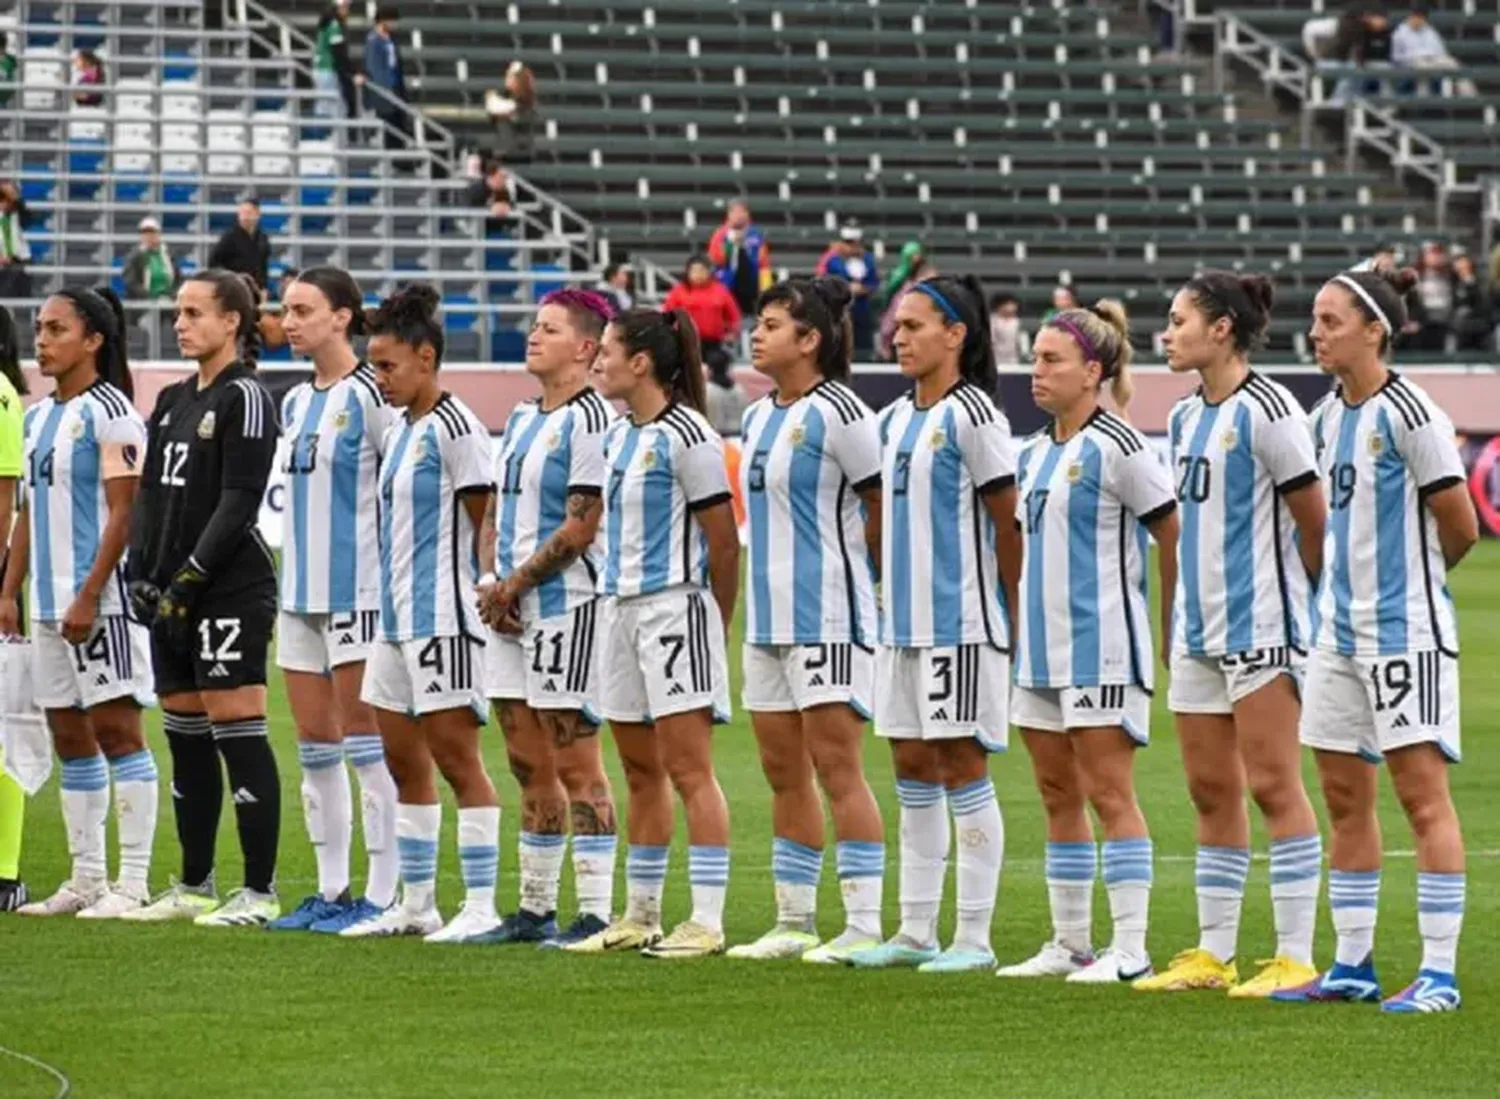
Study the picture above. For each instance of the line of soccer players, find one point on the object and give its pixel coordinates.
(909, 566)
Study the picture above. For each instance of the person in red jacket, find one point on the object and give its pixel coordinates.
(713, 309)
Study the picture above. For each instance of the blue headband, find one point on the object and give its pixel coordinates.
(940, 301)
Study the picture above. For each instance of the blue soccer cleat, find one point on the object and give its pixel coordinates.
(521, 927)
(576, 932)
(1432, 991)
(1349, 984)
(896, 953)
(958, 959)
(313, 909)
(360, 911)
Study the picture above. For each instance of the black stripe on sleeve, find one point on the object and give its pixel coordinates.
(1301, 480)
(709, 501)
(1437, 486)
(869, 484)
(996, 484)
(1158, 513)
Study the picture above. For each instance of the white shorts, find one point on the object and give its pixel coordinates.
(319, 643)
(115, 662)
(1371, 705)
(550, 666)
(1213, 684)
(1058, 709)
(943, 694)
(662, 654)
(782, 678)
(425, 676)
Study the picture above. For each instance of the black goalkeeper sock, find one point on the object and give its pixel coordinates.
(256, 795)
(197, 792)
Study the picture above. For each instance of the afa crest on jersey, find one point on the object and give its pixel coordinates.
(937, 438)
(1376, 443)
(554, 440)
(1230, 439)
(76, 430)
(206, 425)
(1075, 472)
(797, 435)
(648, 460)
(341, 419)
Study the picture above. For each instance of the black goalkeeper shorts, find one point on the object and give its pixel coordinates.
(231, 643)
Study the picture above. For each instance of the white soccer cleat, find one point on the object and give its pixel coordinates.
(120, 898)
(777, 943)
(396, 922)
(472, 922)
(1112, 967)
(244, 908)
(71, 898)
(180, 902)
(1052, 960)
(837, 951)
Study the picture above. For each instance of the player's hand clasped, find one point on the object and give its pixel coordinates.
(78, 621)
(174, 611)
(498, 605)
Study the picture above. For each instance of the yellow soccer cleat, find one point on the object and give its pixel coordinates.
(687, 940)
(1275, 975)
(1192, 969)
(618, 936)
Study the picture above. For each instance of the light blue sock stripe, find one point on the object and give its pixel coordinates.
(319, 757)
(1071, 862)
(136, 767)
(364, 749)
(918, 795)
(1222, 868)
(478, 865)
(708, 865)
(1127, 862)
(594, 845)
(794, 863)
(971, 798)
(1296, 859)
(85, 775)
(542, 841)
(1353, 888)
(418, 859)
(1441, 894)
(646, 864)
(860, 859)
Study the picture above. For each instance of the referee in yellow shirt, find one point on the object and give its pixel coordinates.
(12, 431)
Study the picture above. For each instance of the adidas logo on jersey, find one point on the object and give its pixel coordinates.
(434, 688)
(244, 797)
(815, 681)
(1401, 722)
(676, 690)
(218, 671)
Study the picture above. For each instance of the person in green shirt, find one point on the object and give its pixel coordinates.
(150, 270)
(8, 66)
(332, 74)
(12, 797)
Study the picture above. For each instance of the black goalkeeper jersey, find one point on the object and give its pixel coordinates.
(202, 442)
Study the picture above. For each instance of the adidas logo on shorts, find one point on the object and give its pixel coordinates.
(1084, 703)
(244, 797)
(550, 685)
(218, 671)
(1401, 722)
(676, 690)
(346, 639)
(434, 688)
(815, 681)
(941, 715)
(101, 680)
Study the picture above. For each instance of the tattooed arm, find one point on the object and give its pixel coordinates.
(568, 543)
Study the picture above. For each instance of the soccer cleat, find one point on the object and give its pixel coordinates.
(179, 902)
(621, 935)
(12, 894)
(1349, 984)
(356, 913)
(580, 929)
(1112, 967)
(1432, 991)
(475, 923)
(522, 927)
(1190, 970)
(894, 954)
(313, 909)
(71, 898)
(959, 960)
(396, 921)
(837, 951)
(777, 943)
(1052, 960)
(244, 908)
(1276, 974)
(687, 940)
(119, 899)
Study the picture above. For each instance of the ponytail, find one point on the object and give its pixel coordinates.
(240, 294)
(1102, 333)
(961, 301)
(411, 316)
(820, 305)
(670, 340)
(101, 314)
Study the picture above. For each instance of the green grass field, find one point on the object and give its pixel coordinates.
(170, 1010)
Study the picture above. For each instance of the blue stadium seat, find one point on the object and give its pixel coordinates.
(459, 321)
(508, 345)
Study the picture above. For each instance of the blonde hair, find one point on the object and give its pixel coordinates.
(1106, 326)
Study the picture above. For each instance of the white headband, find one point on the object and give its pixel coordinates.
(1368, 299)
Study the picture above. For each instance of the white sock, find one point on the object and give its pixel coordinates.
(1354, 897)
(329, 815)
(85, 806)
(1296, 872)
(541, 857)
(980, 831)
(1070, 894)
(417, 830)
(924, 858)
(861, 867)
(1221, 874)
(137, 791)
(479, 853)
(594, 875)
(795, 870)
(1127, 879)
(708, 874)
(645, 881)
(377, 814)
(1440, 917)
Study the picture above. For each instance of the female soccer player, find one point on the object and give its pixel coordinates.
(332, 428)
(423, 674)
(671, 575)
(204, 576)
(1091, 487)
(811, 480)
(1382, 679)
(90, 664)
(542, 536)
(949, 554)
(1252, 513)
(12, 442)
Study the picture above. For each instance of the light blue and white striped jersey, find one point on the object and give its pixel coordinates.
(428, 563)
(1385, 585)
(659, 474)
(72, 448)
(801, 473)
(1241, 585)
(329, 454)
(937, 541)
(1084, 618)
(545, 457)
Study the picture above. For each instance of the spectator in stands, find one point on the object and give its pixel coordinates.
(1063, 297)
(9, 66)
(714, 311)
(619, 286)
(1473, 306)
(1011, 344)
(244, 247)
(911, 268)
(1433, 314)
(495, 191)
(88, 71)
(1416, 44)
(847, 259)
(384, 70)
(514, 113)
(741, 256)
(15, 253)
(150, 271)
(1363, 39)
(332, 73)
